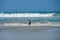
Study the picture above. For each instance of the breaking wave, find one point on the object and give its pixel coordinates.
(26, 15)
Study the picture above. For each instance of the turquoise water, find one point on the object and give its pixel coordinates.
(26, 19)
(49, 34)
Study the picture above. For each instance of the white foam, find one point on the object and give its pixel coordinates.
(33, 24)
(26, 15)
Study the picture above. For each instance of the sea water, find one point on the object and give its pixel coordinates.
(32, 33)
(26, 19)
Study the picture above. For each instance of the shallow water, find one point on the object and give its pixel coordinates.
(26, 19)
(48, 34)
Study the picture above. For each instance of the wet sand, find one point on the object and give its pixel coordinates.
(25, 27)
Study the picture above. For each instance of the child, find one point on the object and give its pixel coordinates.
(29, 22)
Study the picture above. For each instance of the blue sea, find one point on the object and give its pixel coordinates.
(26, 33)
(25, 17)
(33, 19)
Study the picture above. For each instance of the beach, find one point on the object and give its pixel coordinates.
(26, 27)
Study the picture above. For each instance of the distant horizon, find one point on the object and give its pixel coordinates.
(30, 12)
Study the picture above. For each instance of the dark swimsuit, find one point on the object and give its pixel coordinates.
(29, 23)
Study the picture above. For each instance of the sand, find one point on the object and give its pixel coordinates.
(25, 27)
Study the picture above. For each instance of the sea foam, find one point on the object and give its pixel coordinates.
(26, 15)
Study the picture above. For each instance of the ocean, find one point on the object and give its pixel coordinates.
(32, 33)
(25, 17)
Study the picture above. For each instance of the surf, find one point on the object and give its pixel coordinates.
(26, 15)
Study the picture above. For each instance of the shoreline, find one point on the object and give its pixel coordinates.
(32, 24)
(23, 27)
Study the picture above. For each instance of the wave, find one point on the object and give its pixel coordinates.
(26, 24)
(26, 15)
